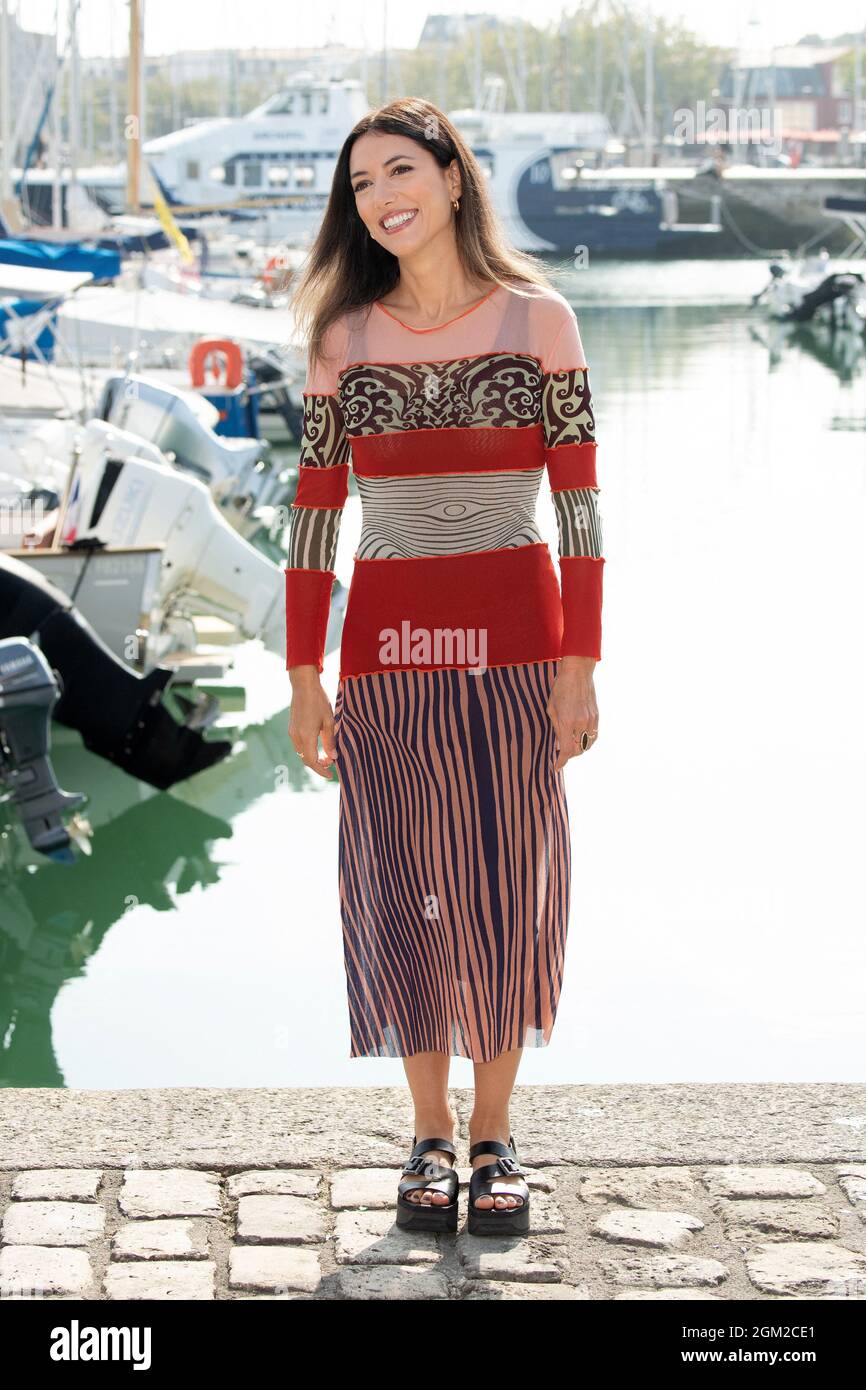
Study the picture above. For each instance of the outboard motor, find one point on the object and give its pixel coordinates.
(180, 424)
(119, 714)
(242, 474)
(28, 693)
(835, 286)
(270, 371)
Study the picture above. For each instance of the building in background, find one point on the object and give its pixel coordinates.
(806, 86)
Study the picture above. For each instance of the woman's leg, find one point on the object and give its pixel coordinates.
(494, 1082)
(427, 1074)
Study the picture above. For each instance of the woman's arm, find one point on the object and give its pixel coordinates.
(314, 529)
(570, 459)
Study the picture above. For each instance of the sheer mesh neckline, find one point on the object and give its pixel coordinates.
(437, 326)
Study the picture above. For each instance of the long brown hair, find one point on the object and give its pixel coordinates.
(347, 269)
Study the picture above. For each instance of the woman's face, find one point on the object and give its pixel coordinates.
(402, 194)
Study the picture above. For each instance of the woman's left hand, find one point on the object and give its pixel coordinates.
(572, 706)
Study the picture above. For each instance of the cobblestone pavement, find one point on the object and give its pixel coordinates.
(669, 1191)
(726, 1231)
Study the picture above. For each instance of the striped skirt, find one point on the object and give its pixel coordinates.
(454, 860)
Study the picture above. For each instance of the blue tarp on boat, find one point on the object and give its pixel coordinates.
(153, 239)
(17, 340)
(69, 255)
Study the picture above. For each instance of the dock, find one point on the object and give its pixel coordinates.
(676, 1191)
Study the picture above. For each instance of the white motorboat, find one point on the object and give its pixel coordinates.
(98, 501)
(277, 162)
(811, 289)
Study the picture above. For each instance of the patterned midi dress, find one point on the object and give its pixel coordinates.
(454, 850)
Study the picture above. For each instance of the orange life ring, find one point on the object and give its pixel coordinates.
(277, 270)
(222, 358)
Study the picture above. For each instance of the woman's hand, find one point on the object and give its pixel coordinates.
(312, 716)
(572, 706)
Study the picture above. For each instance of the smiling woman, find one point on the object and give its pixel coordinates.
(449, 374)
(402, 196)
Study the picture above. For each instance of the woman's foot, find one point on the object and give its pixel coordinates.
(443, 1129)
(504, 1201)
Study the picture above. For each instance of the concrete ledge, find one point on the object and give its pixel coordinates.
(367, 1126)
(637, 1192)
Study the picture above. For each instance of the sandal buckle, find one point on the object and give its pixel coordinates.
(419, 1165)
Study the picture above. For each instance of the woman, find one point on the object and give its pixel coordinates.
(452, 373)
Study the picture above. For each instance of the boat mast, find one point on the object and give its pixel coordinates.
(74, 112)
(5, 161)
(112, 88)
(859, 122)
(57, 130)
(134, 108)
(649, 89)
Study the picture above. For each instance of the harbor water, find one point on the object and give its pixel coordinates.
(717, 922)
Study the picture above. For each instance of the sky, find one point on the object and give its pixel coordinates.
(179, 24)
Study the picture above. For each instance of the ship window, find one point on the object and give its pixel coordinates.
(281, 105)
(305, 175)
(253, 175)
(230, 174)
(192, 169)
(565, 169)
(323, 103)
(306, 103)
(278, 174)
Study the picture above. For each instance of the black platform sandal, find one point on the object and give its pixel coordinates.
(438, 1177)
(493, 1221)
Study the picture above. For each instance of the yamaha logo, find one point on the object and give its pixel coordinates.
(8, 667)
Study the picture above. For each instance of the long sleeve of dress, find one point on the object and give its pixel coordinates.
(570, 460)
(316, 513)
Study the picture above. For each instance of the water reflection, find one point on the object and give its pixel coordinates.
(149, 850)
(840, 350)
(55, 919)
(716, 931)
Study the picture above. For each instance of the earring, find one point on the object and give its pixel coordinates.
(455, 203)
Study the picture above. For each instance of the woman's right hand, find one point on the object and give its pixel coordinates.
(311, 717)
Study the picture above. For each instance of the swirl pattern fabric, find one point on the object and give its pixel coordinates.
(495, 391)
